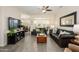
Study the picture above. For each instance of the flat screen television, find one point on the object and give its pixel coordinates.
(13, 23)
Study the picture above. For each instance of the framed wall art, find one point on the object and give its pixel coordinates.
(68, 20)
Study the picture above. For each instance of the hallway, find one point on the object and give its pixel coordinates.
(29, 44)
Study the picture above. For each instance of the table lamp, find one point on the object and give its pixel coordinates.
(76, 29)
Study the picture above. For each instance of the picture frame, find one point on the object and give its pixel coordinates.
(68, 20)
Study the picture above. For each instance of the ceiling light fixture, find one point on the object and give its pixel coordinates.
(25, 16)
(44, 11)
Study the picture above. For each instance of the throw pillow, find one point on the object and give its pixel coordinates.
(54, 30)
(63, 32)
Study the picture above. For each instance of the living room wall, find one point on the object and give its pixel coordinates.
(64, 11)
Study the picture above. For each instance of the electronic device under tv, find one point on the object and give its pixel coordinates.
(13, 23)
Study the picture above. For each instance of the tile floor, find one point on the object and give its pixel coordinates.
(29, 44)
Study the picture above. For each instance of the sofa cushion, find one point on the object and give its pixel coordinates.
(66, 36)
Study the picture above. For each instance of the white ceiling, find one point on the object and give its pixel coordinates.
(37, 10)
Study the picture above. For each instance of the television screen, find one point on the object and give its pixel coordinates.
(13, 23)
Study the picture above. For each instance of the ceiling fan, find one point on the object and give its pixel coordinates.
(45, 9)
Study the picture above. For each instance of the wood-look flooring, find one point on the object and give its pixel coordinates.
(29, 44)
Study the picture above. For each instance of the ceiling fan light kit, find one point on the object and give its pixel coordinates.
(45, 9)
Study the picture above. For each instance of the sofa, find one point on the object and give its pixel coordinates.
(39, 30)
(62, 39)
(34, 32)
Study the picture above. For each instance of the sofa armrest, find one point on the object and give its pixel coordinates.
(75, 41)
(67, 50)
(73, 47)
(67, 36)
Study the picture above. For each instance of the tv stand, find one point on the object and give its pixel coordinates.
(13, 38)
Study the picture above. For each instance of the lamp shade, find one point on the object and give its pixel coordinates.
(76, 29)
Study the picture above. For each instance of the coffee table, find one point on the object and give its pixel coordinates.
(41, 38)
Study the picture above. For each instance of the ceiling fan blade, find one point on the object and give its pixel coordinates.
(45, 7)
(48, 10)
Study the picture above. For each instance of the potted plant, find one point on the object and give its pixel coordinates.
(11, 36)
